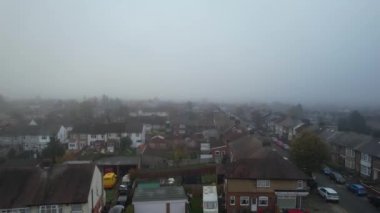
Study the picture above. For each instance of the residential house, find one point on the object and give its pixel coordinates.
(219, 150)
(265, 182)
(344, 146)
(63, 134)
(272, 120)
(135, 133)
(287, 129)
(60, 189)
(89, 135)
(370, 160)
(31, 137)
(205, 150)
(162, 199)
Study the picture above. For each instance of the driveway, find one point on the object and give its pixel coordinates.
(349, 203)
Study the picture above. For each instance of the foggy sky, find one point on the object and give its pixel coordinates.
(298, 51)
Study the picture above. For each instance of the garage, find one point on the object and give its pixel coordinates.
(287, 202)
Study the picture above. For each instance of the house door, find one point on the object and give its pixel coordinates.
(253, 204)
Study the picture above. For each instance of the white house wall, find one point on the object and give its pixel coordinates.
(176, 206)
(96, 192)
(136, 139)
(62, 134)
(144, 207)
(95, 137)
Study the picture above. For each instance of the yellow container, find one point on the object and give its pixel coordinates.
(109, 180)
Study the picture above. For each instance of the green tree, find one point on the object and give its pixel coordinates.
(125, 143)
(354, 122)
(309, 152)
(53, 150)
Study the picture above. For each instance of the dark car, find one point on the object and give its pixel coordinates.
(326, 170)
(374, 200)
(338, 178)
(357, 189)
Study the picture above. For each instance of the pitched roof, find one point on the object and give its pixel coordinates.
(269, 165)
(245, 147)
(159, 194)
(350, 139)
(31, 186)
(372, 148)
(289, 122)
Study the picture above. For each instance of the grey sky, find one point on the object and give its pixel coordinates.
(291, 50)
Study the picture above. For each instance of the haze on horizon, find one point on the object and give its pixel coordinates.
(296, 51)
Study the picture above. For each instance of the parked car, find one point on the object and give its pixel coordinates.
(286, 146)
(338, 178)
(123, 189)
(117, 209)
(122, 200)
(326, 170)
(374, 200)
(328, 194)
(357, 189)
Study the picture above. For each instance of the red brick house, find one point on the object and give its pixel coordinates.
(264, 183)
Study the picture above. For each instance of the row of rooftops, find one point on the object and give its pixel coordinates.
(360, 142)
(108, 128)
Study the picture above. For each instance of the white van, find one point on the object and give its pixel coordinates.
(210, 199)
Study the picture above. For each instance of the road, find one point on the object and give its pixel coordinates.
(349, 203)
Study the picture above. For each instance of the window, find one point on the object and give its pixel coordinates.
(263, 183)
(43, 137)
(76, 208)
(350, 152)
(232, 200)
(244, 200)
(50, 209)
(263, 201)
(365, 170)
(299, 184)
(93, 136)
(217, 153)
(365, 157)
(223, 152)
(210, 205)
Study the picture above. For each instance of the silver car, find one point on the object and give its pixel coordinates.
(328, 194)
